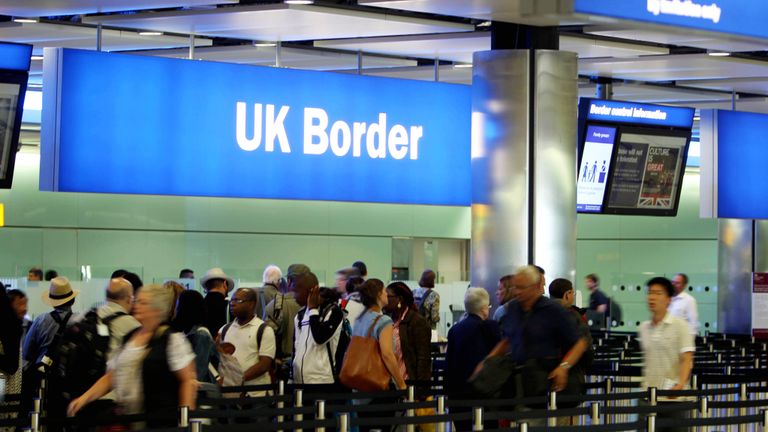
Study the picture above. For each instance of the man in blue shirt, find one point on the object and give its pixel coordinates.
(539, 335)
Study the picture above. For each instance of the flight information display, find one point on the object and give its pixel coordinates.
(647, 172)
(593, 171)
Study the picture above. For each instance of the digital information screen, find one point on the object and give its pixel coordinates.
(9, 96)
(595, 165)
(646, 172)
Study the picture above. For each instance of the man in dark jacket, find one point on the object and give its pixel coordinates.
(469, 342)
(216, 285)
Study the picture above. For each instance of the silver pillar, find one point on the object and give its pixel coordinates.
(734, 278)
(523, 163)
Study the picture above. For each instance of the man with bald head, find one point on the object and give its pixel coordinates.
(116, 312)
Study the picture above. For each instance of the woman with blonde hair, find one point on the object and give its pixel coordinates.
(154, 371)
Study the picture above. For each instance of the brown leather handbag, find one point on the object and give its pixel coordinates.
(363, 368)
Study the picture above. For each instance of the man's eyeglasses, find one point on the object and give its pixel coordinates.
(238, 301)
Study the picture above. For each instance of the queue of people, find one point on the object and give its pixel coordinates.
(165, 343)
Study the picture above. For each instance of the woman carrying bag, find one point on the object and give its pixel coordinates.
(370, 363)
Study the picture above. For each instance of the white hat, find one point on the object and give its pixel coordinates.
(59, 292)
(217, 273)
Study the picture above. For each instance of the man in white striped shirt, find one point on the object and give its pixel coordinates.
(683, 305)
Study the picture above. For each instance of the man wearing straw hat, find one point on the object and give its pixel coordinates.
(43, 334)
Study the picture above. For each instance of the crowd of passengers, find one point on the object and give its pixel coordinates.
(167, 345)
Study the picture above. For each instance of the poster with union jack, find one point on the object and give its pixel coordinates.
(660, 177)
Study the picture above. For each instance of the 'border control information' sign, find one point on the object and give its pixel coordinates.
(738, 17)
(148, 125)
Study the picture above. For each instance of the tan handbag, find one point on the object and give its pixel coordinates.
(363, 368)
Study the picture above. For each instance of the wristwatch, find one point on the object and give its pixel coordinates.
(565, 365)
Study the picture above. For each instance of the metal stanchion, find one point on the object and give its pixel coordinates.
(344, 422)
(280, 404)
(608, 403)
(36, 405)
(551, 407)
(477, 419)
(651, 427)
(320, 413)
(410, 413)
(742, 411)
(34, 421)
(441, 426)
(184, 416)
(594, 414)
(765, 420)
(703, 411)
(298, 402)
(523, 427)
(196, 426)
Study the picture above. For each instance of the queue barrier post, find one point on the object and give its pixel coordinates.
(742, 411)
(344, 422)
(524, 427)
(280, 404)
(34, 421)
(477, 419)
(651, 423)
(441, 427)
(298, 402)
(184, 416)
(196, 426)
(551, 407)
(594, 413)
(320, 413)
(765, 420)
(652, 399)
(36, 405)
(410, 413)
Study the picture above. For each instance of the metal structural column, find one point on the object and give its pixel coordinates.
(523, 157)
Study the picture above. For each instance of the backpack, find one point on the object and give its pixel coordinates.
(82, 354)
(420, 300)
(341, 348)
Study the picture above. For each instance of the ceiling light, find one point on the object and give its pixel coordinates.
(150, 33)
(264, 44)
(36, 57)
(484, 24)
(719, 54)
(25, 20)
(299, 2)
(463, 65)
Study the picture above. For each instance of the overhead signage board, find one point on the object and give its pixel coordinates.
(737, 155)
(641, 114)
(16, 57)
(736, 17)
(150, 125)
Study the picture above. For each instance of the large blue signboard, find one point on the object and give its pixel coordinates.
(147, 125)
(741, 165)
(739, 17)
(640, 114)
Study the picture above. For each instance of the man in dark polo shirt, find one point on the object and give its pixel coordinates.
(539, 335)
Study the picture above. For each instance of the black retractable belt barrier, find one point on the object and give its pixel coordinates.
(400, 421)
(647, 409)
(713, 421)
(615, 427)
(517, 416)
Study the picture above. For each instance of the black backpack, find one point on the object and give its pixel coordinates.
(345, 337)
(82, 354)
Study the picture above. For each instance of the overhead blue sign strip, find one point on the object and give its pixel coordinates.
(737, 17)
(15, 56)
(644, 114)
(741, 165)
(149, 125)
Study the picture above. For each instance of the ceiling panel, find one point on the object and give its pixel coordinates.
(447, 74)
(758, 85)
(656, 94)
(43, 8)
(459, 47)
(690, 39)
(280, 22)
(75, 36)
(533, 12)
(673, 68)
(297, 58)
